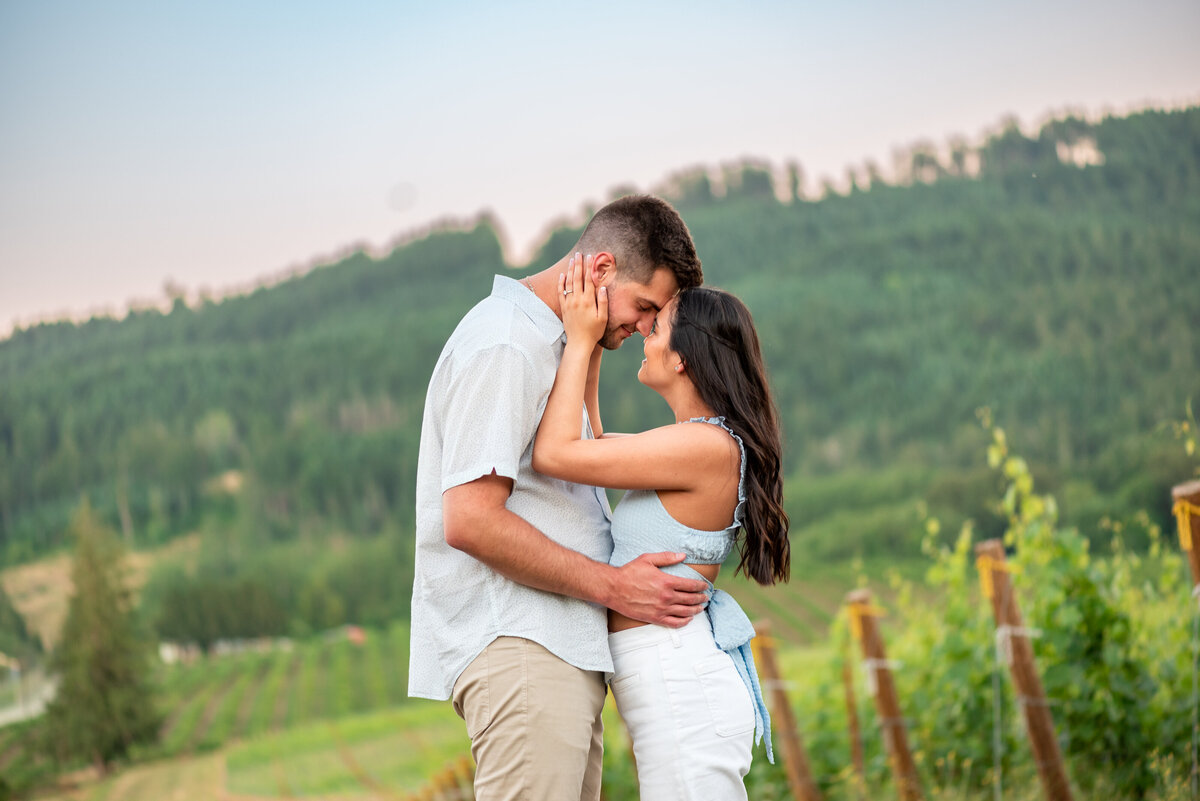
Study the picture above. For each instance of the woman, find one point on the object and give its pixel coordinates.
(690, 696)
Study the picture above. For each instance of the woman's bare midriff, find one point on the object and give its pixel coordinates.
(618, 622)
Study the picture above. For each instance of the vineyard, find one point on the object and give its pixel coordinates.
(1109, 636)
(1091, 695)
(331, 715)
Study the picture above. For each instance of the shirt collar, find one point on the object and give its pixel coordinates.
(516, 293)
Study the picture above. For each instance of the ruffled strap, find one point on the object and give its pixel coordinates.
(720, 421)
(732, 632)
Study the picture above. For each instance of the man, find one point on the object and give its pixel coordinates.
(512, 577)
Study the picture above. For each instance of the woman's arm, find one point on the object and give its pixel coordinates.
(672, 457)
(585, 314)
(591, 391)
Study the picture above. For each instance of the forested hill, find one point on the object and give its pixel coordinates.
(1053, 279)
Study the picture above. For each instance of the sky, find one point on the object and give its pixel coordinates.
(214, 145)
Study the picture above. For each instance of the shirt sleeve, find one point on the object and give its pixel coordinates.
(491, 415)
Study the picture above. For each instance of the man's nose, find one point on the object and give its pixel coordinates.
(645, 326)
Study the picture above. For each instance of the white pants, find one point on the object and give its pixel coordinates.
(689, 715)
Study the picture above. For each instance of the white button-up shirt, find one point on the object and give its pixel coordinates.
(485, 400)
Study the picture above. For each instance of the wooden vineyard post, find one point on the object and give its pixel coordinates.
(445, 785)
(1186, 505)
(856, 749)
(1014, 639)
(879, 679)
(455, 782)
(795, 760)
(464, 771)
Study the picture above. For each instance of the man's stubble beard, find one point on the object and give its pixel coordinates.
(613, 338)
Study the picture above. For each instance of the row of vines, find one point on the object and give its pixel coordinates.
(1113, 642)
(1115, 652)
(275, 686)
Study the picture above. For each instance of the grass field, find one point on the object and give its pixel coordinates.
(388, 753)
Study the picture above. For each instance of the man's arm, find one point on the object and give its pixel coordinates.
(477, 522)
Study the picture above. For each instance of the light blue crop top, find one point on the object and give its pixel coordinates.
(640, 524)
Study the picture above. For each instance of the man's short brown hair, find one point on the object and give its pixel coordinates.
(644, 234)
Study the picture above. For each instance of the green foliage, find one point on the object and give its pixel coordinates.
(32, 763)
(310, 390)
(1093, 662)
(1185, 430)
(1108, 671)
(948, 656)
(104, 705)
(235, 590)
(887, 316)
(1113, 655)
(16, 641)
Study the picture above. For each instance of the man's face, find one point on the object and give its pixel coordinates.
(632, 306)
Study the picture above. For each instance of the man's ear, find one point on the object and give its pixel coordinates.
(604, 268)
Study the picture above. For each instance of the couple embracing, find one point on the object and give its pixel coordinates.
(531, 598)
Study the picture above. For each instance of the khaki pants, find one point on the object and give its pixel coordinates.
(534, 723)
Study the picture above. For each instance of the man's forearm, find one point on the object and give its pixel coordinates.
(515, 549)
(477, 522)
(640, 590)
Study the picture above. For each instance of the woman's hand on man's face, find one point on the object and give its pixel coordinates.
(584, 306)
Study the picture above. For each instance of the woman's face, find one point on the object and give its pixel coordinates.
(658, 366)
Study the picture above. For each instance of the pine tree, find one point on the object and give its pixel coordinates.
(104, 705)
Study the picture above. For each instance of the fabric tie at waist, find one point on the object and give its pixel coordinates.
(732, 632)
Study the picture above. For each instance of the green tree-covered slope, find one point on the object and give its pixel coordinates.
(1055, 284)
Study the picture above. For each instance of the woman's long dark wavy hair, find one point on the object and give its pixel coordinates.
(713, 333)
